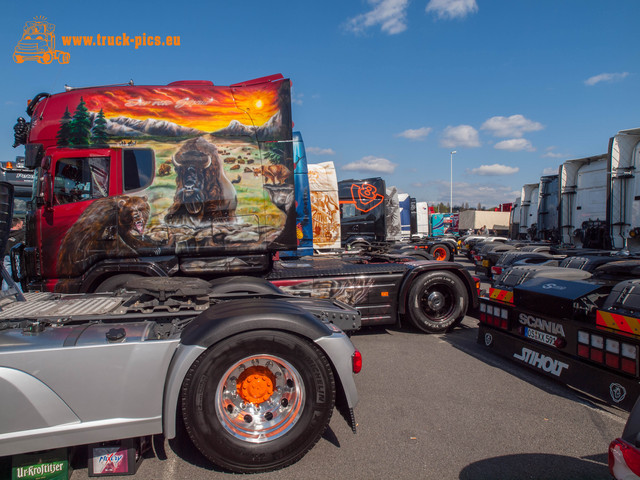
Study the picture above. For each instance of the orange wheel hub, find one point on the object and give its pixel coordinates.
(256, 384)
(439, 254)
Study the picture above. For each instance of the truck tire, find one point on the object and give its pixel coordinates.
(440, 252)
(437, 302)
(116, 282)
(258, 401)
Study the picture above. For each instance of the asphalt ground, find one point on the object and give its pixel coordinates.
(437, 407)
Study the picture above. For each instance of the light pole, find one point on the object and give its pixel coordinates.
(451, 197)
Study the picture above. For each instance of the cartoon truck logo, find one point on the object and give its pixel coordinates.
(39, 43)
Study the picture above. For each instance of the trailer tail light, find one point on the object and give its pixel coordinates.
(494, 315)
(624, 460)
(356, 362)
(613, 353)
(476, 281)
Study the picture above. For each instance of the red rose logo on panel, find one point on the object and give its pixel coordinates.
(365, 197)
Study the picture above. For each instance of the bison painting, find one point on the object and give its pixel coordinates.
(204, 194)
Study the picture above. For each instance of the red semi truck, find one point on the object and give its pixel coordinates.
(191, 179)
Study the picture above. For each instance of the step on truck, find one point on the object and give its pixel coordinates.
(253, 378)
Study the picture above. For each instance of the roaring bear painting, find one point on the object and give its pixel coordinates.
(204, 194)
(109, 227)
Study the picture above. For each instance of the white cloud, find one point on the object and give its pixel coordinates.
(493, 170)
(449, 9)
(320, 151)
(513, 126)
(460, 136)
(515, 145)
(371, 164)
(417, 134)
(296, 97)
(391, 15)
(606, 77)
(551, 154)
(550, 171)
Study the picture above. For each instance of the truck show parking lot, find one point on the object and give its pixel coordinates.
(438, 407)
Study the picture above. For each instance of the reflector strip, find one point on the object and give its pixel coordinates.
(619, 322)
(501, 295)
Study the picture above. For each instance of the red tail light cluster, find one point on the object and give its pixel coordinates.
(496, 270)
(624, 460)
(477, 258)
(609, 352)
(494, 315)
(356, 362)
(476, 281)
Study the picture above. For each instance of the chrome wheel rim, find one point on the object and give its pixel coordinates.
(260, 398)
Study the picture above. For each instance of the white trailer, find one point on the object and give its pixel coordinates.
(514, 220)
(528, 208)
(624, 201)
(422, 213)
(548, 199)
(583, 196)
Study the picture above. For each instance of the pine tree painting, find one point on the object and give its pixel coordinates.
(64, 133)
(81, 125)
(99, 130)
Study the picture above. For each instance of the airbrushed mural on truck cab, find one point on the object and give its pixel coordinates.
(204, 170)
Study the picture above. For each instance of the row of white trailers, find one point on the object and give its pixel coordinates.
(592, 202)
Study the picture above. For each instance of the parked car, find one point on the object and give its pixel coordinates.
(624, 452)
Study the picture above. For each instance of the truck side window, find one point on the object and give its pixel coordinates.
(78, 179)
(137, 168)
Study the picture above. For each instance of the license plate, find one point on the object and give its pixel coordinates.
(540, 337)
(485, 263)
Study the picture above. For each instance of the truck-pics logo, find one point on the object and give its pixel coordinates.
(541, 324)
(38, 43)
(543, 362)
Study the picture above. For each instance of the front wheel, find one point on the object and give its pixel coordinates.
(258, 401)
(437, 302)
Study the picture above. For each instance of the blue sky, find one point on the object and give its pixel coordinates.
(381, 87)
